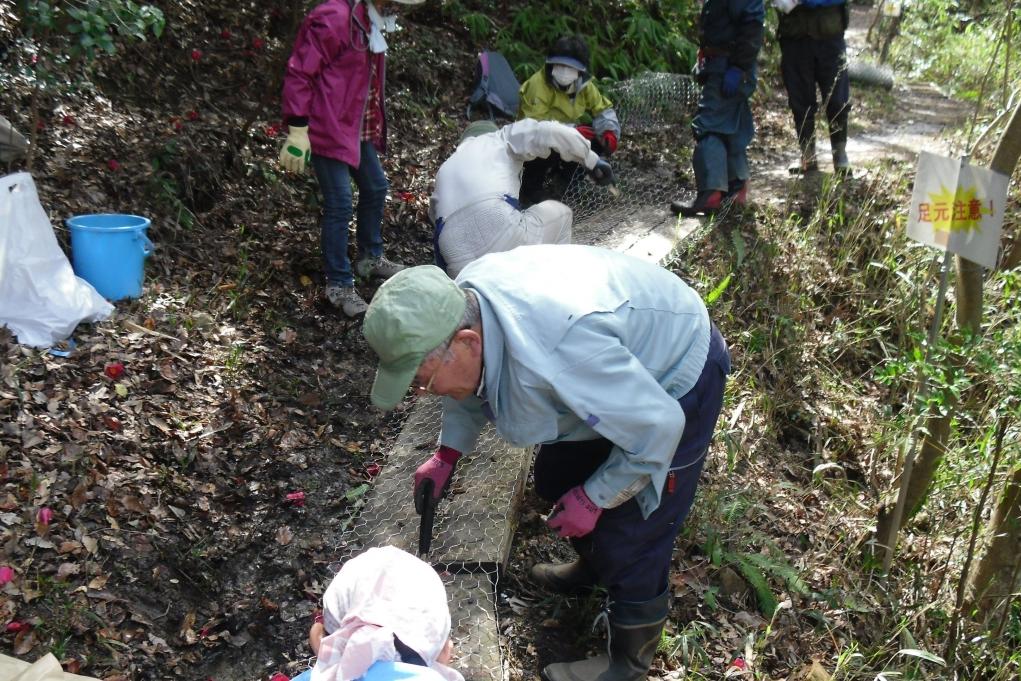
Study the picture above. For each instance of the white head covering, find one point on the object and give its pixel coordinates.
(377, 594)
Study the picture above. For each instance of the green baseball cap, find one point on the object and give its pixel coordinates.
(411, 314)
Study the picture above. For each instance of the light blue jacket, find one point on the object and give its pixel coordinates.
(389, 671)
(579, 343)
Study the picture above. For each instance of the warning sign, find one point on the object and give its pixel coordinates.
(958, 208)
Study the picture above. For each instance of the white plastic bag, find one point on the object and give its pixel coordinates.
(46, 668)
(41, 299)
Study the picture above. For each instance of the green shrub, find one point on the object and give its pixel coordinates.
(624, 38)
(941, 42)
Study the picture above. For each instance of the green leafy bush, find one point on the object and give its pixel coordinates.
(624, 38)
(82, 27)
(942, 41)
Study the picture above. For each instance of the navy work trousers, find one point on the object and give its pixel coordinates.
(723, 128)
(631, 554)
(807, 64)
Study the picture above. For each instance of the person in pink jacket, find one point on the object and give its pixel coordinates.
(333, 105)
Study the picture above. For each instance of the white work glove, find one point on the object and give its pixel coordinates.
(295, 153)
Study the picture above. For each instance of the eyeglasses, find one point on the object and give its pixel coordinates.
(417, 386)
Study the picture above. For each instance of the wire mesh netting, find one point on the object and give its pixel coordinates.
(474, 523)
(654, 111)
(471, 532)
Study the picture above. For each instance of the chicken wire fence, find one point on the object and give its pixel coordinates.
(654, 111)
(474, 523)
(471, 532)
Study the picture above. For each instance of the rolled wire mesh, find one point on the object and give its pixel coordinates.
(474, 524)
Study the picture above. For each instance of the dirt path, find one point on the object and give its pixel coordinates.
(884, 125)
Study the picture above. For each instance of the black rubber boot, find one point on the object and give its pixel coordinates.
(564, 578)
(841, 165)
(634, 631)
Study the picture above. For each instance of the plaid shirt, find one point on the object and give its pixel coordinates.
(372, 122)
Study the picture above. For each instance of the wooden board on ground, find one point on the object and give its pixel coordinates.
(474, 629)
(474, 524)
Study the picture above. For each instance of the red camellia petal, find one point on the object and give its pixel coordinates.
(6, 575)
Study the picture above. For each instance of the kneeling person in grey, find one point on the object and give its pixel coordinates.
(474, 207)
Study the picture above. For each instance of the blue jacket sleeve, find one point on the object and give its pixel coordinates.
(463, 420)
(748, 17)
(620, 399)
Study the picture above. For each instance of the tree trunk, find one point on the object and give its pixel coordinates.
(892, 31)
(930, 454)
(1005, 160)
(969, 274)
(969, 320)
(996, 575)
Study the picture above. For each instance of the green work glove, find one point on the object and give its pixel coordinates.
(296, 150)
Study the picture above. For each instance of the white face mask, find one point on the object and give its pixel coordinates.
(564, 75)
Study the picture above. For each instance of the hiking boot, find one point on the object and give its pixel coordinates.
(706, 203)
(380, 267)
(564, 578)
(841, 164)
(346, 298)
(634, 631)
(737, 192)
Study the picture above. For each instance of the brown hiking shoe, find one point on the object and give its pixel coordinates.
(564, 578)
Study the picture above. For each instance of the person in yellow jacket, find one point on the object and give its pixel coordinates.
(563, 91)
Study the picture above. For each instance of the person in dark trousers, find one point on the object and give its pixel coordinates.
(610, 363)
(730, 36)
(813, 55)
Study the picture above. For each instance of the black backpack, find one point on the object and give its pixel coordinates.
(496, 87)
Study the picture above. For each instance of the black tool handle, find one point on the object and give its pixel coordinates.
(425, 503)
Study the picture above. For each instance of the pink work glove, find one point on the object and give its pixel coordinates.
(439, 469)
(574, 514)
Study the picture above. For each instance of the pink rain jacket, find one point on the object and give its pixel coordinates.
(327, 79)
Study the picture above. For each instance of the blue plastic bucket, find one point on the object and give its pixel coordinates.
(108, 250)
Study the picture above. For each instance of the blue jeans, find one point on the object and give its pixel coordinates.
(335, 183)
(723, 128)
(630, 554)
